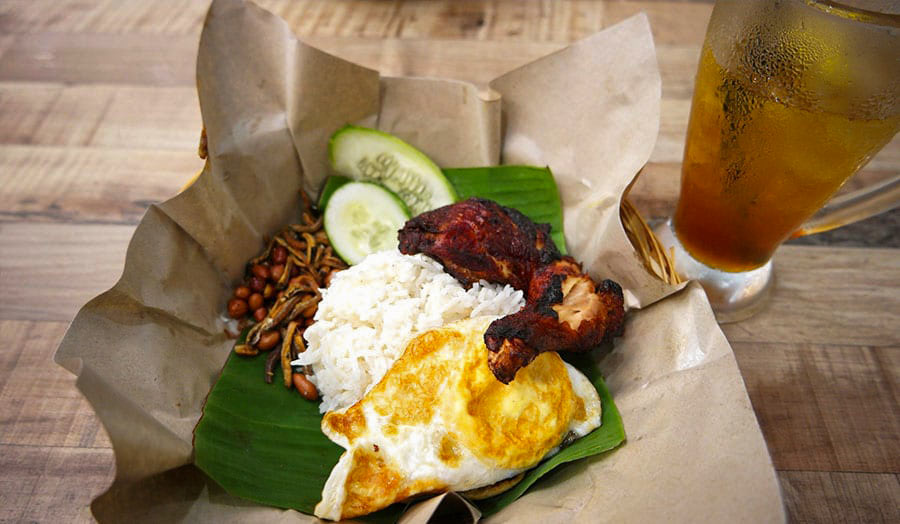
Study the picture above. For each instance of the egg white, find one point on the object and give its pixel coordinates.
(414, 450)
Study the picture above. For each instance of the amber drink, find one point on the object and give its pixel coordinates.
(756, 165)
(792, 97)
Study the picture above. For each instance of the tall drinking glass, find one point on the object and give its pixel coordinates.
(792, 97)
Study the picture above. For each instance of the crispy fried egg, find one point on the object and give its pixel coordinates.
(439, 420)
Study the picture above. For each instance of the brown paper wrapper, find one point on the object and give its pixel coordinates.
(148, 351)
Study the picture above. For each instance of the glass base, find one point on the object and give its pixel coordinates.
(733, 296)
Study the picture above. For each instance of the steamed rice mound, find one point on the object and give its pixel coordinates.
(372, 310)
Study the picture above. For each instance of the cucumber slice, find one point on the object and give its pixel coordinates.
(331, 185)
(370, 155)
(363, 218)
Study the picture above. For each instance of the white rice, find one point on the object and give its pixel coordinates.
(370, 311)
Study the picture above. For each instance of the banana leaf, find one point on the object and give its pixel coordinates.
(263, 442)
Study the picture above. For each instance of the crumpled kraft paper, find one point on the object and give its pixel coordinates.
(148, 351)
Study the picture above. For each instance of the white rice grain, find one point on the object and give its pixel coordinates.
(372, 310)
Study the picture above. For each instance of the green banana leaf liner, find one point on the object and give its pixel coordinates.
(263, 442)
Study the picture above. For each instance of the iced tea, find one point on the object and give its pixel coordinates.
(778, 123)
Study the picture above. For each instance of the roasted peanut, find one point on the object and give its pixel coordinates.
(259, 314)
(255, 301)
(257, 284)
(281, 287)
(279, 255)
(305, 387)
(237, 308)
(277, 271)
(260, 271)
(268, 340)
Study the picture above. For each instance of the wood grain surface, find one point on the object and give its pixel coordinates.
(99, 118)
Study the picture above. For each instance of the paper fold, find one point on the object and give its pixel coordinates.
(148, 351)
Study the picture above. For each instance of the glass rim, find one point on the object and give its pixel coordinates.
(855, 14)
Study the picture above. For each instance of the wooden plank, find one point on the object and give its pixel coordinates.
(889, 359)
(158, 60)
(9, 359)
(531, 20)
(681, 23)
(561, 21)
(521, 21)
(48, 271)
(167, 118)
(133, 110)
(151, 118)
(99, 115)
(145, 118)
(23, 106)
(826, 497)
(6, 40)
(828, 296)
(21, 469)
(141, 57)
(58, 492)
(52, 484)
(825, 408)
(74, 117)
(100, 58)
(677, 68)
(465, 19)
(148, 117)
(45, 113)
(39, 404)
(655, 191)
(170, 17)
(169, 61)
(825, 386)
(88, 185)
(673, 120)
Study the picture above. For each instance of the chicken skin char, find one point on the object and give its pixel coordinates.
(479, 239)
(565, 310)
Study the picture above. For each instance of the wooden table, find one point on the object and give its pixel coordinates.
(99, 118)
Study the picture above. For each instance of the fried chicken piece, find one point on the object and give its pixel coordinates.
(478, 239)
(564, 311)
